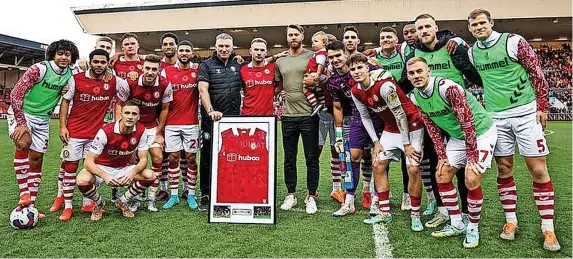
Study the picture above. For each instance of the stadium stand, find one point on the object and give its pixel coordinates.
(16, 55)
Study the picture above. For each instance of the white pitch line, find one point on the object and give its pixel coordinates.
(381, 241)
(383, 248)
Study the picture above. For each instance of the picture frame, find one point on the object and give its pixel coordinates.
(243, 179)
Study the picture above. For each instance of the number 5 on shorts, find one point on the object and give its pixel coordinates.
(540, 145)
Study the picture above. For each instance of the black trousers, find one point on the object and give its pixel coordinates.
(205, 160)
(307, 128)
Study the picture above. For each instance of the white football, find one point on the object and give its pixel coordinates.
(24, 218)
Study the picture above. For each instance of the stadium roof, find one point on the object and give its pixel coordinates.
(174, 4)
(200, 21)
(19, 53)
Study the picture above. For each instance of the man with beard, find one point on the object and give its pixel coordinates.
(390, 55)
(220, 92)
(351, 40)
(33, 100)
(296, 120)
(151, 90)
(169, 42)
(91, 95)
(106, 44)
(182, 125)
(431, 46)
(258, 81)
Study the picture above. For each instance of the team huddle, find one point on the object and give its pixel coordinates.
(403, 103)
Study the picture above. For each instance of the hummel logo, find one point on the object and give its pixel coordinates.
(544, 198)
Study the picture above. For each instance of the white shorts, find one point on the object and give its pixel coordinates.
(456, 150)
(528, 133)
(114, 172)
(179, 138)
(394, 147)
(76, 149)
(39, 130)
(326, 127)
(151, 137)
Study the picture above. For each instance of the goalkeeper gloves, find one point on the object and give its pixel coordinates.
(339, 143)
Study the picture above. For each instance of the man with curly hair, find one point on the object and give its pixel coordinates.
(34, 98)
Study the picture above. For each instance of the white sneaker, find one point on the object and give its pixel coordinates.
(289, 202)
(465, 219)
(134, 205)
(344, 211)
(406, 202)
(374, 207)
(310, 205)
(151, 206)
(347, 207)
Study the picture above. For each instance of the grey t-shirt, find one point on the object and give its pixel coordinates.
(290, 70)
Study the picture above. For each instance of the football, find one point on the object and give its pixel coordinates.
(24, 218)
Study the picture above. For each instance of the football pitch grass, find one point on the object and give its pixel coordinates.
(179, 232)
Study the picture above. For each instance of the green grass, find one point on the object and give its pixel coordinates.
(182, 233)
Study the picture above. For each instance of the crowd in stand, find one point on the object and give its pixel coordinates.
(564, 96)
(556, 64)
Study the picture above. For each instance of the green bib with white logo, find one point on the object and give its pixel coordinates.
(44, 95)
(442, 114)
(394, 64)
(505, 82)
(441, 64)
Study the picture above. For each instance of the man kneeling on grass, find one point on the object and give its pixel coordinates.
(108, 161)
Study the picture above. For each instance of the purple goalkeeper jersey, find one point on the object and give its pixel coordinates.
(339, 87)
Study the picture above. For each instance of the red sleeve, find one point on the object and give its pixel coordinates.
(436, 136)
(465, 117)
(528, 59)
(22, 87)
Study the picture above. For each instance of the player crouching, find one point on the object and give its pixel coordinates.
(108, 161)
(403, 132)
(445, 105)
